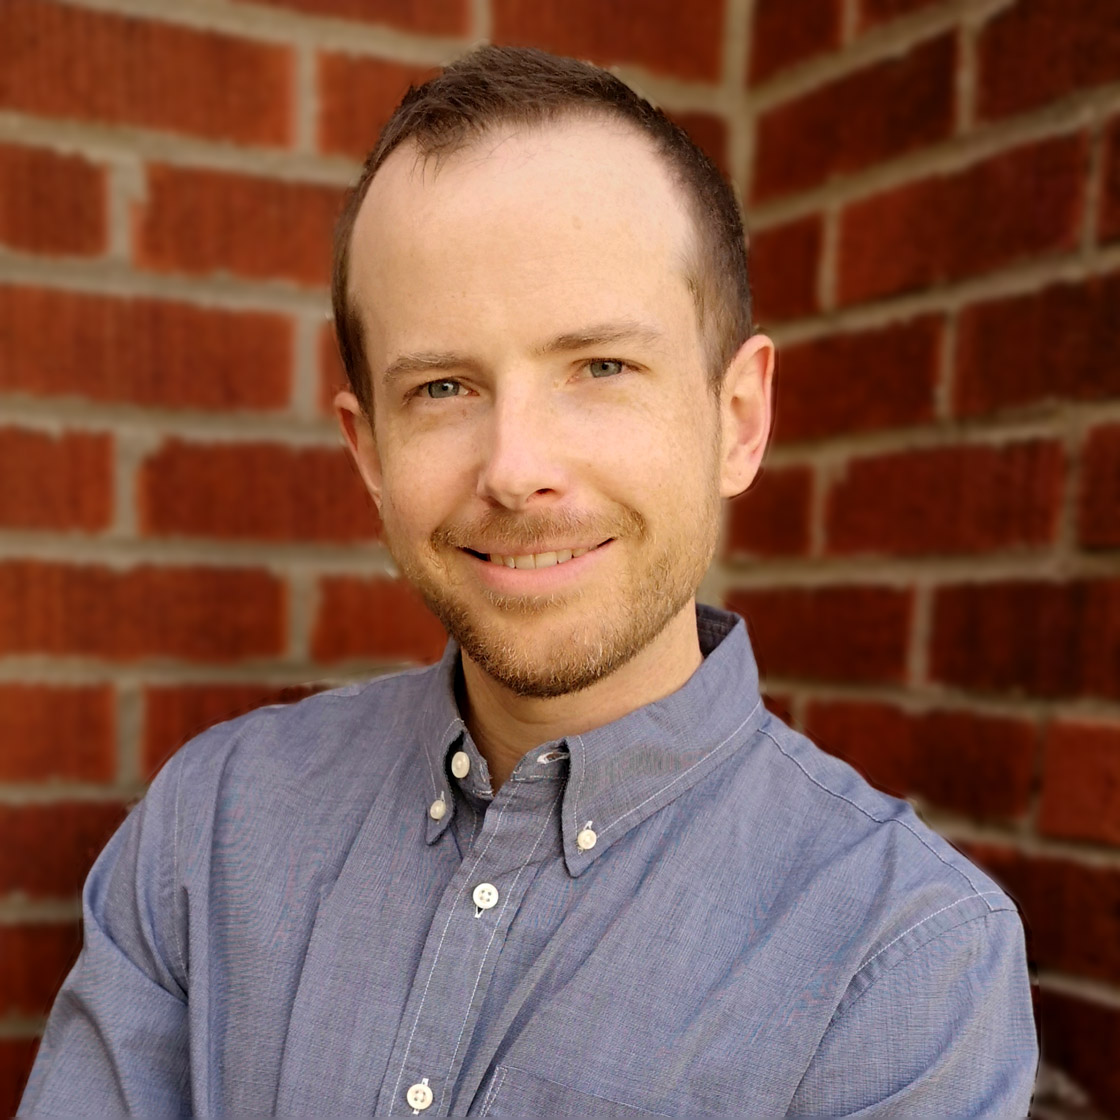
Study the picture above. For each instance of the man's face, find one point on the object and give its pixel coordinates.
(545, 451)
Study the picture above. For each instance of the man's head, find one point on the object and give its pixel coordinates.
(502, 87)
(540, 430)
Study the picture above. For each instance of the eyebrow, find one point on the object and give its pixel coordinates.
(599, 334)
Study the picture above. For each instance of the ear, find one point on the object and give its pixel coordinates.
(357, 431)
(745, 414)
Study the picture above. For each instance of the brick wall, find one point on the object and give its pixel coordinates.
(929, 564)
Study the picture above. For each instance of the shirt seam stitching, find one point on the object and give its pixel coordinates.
(175, 877)
(878, 820)
(684, 773)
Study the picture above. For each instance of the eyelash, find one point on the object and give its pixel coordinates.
(419, 391)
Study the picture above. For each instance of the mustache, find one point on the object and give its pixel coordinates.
(513, 533)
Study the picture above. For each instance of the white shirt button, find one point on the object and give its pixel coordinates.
(419, 1096)
(485, 896)
(460, 764)
(437, 809)
(585, 839)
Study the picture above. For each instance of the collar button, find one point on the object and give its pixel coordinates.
(586, 839)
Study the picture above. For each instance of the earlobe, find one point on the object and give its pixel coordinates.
(745, 414)
(357, 431)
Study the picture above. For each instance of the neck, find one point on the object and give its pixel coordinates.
(506, 726)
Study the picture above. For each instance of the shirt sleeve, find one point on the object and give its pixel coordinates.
(947, 1030)
(116, 1039)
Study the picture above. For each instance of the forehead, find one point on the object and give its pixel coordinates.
(574, 212)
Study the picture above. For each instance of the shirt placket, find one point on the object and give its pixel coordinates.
(519, 831)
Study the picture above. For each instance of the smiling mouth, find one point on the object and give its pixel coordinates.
(536, 559)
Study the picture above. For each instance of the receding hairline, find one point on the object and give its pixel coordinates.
(425, 154)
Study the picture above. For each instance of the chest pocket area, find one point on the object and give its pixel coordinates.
(516, 1093)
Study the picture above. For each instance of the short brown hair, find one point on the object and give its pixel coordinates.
(494, 86)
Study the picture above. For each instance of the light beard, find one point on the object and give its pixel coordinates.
(581, 654)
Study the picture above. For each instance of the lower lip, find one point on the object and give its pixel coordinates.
(538, 581)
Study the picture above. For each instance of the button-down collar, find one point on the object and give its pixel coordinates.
(621, 773)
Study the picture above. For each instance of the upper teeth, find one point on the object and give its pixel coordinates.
(537, 559)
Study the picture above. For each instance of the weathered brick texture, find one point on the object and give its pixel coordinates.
(863, 118)
(142, 351)
(55, 482)
(1082, 1036)
(53, 732)
(1110, 193)
(51, 203)
(1081, 782)
(772, 517)
(784, 261)
(257, 491)
(858, 382)
(34, 960)
(1098, 514)
(948, 499)
(205, 222)
(373, 618)
(209, 614)
(61, 60)
(435, 17)
(1034, 52)
(667, 38)
(1020, 204)
(786, 32)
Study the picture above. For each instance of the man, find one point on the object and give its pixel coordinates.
(576, 869)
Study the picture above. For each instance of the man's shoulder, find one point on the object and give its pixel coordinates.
(863, 856)
(334, 744)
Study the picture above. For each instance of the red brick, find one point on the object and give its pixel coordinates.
(202, 221)
(948, 499)
(54, 731)
(780, 704)
(784, 261)
(357, 96)
(65, 838)
(877, 11)
(830, 633)
(59, 60)
(1099, 504)
(1081, 1037)
(332, 373)
(1019, 204)
(772, 517)
(1081, 783)
(709, 132)
(16, 1058)
(34, 960)
(142, 351)
(55, 482)
(51, 203)
(1110, 193)
(976, 765)
(1035, 51)
(683, 40)
(433, 17)
(864, 118)
(175, 713)
(1056, 344)
(881, 378)
(1072, 909)
(981, 766)
(256, 491)
(786, 32)
(1044, 639)
(212, 614)
(379, 618)
(874, 738)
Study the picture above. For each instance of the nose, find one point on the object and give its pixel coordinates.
(522, 460)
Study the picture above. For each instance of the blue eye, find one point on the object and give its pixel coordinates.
(605, 367)
(441, 389)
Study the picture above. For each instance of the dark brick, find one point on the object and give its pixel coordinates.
(783, 263)
(55, 731)
(786, 32)
(1035, 637)
(858, 382)
(1056, 344)
(772, 517)
(1082, 1037)
(864, 118)
(1099, 502)
(830, 633)
(1081, 782)
(1020, 204)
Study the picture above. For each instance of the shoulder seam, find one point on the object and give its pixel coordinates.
(881, 820)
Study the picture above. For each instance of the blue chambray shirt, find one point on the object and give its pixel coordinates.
(281, 926)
